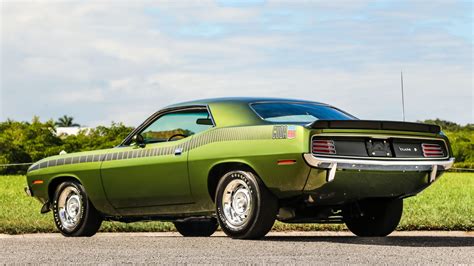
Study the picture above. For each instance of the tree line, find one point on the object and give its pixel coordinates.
(26, 142)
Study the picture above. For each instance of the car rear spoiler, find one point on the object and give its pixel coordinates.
(376, 125)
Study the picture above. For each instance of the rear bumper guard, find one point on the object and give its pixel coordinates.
(28, 191)
(333, 164)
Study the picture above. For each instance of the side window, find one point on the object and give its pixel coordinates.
(175, 126)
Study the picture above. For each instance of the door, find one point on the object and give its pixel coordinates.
(152, 170)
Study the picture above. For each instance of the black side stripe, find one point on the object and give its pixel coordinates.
(213, 136)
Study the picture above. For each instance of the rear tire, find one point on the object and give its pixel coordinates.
(195, 228)
(73, 213)
(245, 208)
(379, 217)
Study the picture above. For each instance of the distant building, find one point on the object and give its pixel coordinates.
(67, 131)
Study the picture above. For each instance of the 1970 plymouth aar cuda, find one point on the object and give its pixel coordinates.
(242, 163)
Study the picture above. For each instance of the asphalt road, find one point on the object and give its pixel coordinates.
(280, 248)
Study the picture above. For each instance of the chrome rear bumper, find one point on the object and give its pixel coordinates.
(333, 164)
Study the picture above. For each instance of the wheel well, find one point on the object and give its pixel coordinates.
(219, 170)
(55, 183)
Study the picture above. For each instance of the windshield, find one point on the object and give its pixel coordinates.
(298, 112)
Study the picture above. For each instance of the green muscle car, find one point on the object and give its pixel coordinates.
(243, 163)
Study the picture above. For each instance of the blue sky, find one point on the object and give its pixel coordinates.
(103, 61)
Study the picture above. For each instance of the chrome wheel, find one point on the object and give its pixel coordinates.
(70, 207)
(237, 203)
(245, 208)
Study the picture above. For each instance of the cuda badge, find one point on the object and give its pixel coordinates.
(279, 132)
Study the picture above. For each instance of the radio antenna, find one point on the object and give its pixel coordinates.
(403, 96)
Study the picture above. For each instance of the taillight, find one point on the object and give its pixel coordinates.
(432, 150)
(324, 146)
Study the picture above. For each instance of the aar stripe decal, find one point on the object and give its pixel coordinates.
(216, 135)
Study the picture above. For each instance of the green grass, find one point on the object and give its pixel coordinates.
(446, 205)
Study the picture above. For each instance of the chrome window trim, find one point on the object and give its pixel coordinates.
(160, 113)
(294, 102)
(377, 136)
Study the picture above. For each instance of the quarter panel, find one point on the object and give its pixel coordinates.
(257, 147)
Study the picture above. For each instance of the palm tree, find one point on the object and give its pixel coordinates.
(66, 121)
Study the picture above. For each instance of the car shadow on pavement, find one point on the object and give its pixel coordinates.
(402, 241)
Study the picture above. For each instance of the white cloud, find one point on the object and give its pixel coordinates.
(133, 52)
(81, 96)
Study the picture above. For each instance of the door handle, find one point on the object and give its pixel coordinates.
(178, 151)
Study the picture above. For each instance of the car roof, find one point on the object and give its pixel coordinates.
(235, 111)
(238, 100)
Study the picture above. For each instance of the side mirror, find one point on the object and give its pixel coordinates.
(139, 140)
(204, 121)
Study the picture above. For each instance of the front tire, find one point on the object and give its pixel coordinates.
(195, 228)
(378, 217)
(245, 208)
(73, 213)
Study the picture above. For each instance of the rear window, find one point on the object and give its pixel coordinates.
(298, 112)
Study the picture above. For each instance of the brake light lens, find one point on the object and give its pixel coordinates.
(432, 150)
(324, 146)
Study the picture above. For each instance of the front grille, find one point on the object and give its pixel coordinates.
(432, 150)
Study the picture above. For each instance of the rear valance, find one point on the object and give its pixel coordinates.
(376, 125)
